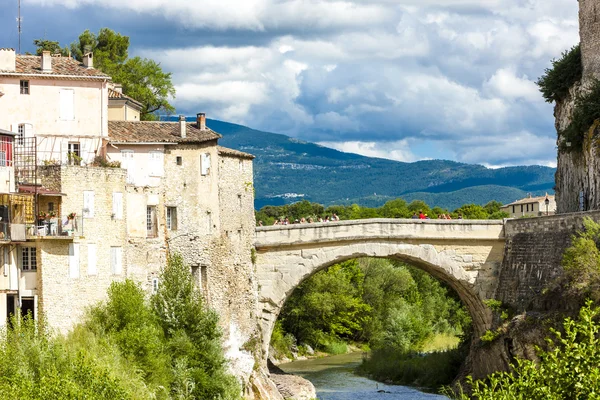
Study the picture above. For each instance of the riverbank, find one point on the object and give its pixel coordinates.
(334, 379)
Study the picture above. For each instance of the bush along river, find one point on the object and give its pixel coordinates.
(334, 379)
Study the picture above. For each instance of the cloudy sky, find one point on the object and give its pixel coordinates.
(401, 79)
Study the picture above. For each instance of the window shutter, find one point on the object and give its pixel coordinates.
(92, 259)
(88, 203)
(117, 205)
(128, 164)
(67, 104)
(116, 260)
(205, 164)
(156, 160)
(73, 260)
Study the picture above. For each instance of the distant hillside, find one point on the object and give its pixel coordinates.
(287, 170)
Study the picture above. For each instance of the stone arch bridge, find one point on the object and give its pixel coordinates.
(466, 254)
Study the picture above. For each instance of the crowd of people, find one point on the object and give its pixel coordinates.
(286, 221)
(422, 215)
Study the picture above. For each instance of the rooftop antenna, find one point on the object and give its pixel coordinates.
(19, 20)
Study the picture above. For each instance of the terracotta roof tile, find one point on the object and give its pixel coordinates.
(234, 153)
(114, 95)
(61, 66)
(157, 132)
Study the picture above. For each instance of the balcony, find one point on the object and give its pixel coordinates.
(62, 227)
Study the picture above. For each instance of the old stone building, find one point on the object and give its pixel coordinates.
(94, 195)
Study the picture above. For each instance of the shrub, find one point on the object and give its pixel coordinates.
(587, 110)
(101, 161)
(568, 370)
(556, 81)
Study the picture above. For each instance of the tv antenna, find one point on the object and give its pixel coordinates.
(19, 20)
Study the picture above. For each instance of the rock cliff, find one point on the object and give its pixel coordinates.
(578, 171)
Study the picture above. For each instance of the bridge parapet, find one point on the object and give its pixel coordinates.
(378, 228)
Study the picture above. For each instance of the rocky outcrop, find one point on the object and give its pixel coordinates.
(578, 172)
(291, 387)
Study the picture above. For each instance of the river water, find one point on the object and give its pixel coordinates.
(334, 380)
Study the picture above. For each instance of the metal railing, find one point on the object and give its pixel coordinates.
(54, 227)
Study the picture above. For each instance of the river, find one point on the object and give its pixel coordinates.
(334, 380)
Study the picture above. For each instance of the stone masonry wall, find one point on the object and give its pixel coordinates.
(63, 297)
(589, 31)
(532, 257)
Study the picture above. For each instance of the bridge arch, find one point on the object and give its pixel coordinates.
(465, 255)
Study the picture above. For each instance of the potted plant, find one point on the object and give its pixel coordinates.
(51, 214)
(71, 216)
(42, 216)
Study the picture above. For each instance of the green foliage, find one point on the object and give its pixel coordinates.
(397, 208)
(142, 79)
(565, 72)
(490, 335)
(581, 262)
(128, 348)
(192, 334)
(51, 46)
(281, 342)
(36, 365)
(587, 111)
(393, 308)
(567, 370)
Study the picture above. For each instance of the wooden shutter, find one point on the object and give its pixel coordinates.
(67, 104)
(205, 164)
(88, 203)
(117, 205)
(116, 260)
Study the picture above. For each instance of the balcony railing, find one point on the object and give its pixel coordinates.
(55, 227)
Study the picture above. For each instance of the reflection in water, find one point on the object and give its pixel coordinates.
(334, 380)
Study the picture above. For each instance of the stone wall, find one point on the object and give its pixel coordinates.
(577, 171)
(66, 289)
(532, 256)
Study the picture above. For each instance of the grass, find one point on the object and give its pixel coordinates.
(441, 342)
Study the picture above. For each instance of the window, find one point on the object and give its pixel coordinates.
(154, 285)
(179, 160)
(20, 134)
(116, 260)
(117, 205)
(74, 153)
(127, 163)
(172, 218)
(205, 164)
(151, 230)
(67, 104)
(92, 259)
(155, 163)
(51, 206)
(28, 259)
(521, 207)
(24, 87)
(88, 204)
(513, 209)
(74, 260)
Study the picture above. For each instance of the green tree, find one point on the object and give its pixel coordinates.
(581, 262)
(51, 46)
(193, 335)
(142, 78)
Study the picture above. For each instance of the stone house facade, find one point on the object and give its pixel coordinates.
(170, 188)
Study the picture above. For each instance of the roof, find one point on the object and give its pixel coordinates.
(157, 132)
(3, 132)
(234, 153)
(114, 95)
(529, 200)
(42, 191)
(62, 67)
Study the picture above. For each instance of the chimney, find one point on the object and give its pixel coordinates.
(118, 88)
(182, 126)
(46, 61)
(8, 61)
(88, 60)
(201, 121)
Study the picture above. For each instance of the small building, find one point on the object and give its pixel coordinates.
(531, 206)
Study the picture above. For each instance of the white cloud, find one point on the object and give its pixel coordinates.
(398, 150)
(370, 76)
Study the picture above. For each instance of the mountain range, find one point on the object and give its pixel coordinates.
(287, 170)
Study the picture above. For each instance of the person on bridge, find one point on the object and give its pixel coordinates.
(415, 216)
(421, 215)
